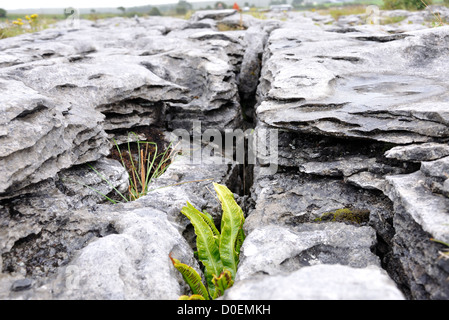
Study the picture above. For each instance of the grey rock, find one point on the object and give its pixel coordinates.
(340, 95)
(80, 85)
(22, 284)
(292, 198)
(133, 264)
(320, 282)
(446, 187)
(344, 167)
(241, 21)
(436, 169)
(364, 103)
(39, 225)
(212, 14)
(421, 152)
(91, 185)
(275, 249)
(419, 216)
(299, 94)
(436, 175)
(57, 138)
(255, 39)
(368, 180)
(427, 209)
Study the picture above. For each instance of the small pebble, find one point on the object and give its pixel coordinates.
(22, 284)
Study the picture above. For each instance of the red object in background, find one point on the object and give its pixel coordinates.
(236, 6)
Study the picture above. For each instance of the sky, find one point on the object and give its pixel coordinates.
(25, 4)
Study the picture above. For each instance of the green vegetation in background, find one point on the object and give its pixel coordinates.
(392, 20)
(24, 24)
(406, 4)
(154, 12)
(336, 13)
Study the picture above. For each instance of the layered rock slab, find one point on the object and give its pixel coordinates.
(349, 85)
(376, 91)
(67, 100)
(320, 282)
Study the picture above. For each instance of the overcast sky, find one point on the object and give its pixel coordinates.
(25, 4)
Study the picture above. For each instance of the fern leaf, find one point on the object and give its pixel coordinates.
(192, 278)
(223, 282)
(231, 223)
(210, 222)
(192, 297)
(208, 251)
(239, 241)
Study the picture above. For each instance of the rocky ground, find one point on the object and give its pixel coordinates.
(361, 187)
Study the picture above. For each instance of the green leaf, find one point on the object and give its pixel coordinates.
(192, 278)
(192, 297)
(231, 223)
(239, 241)
(210, 222)
(208, 251)
(223, 282)
(439, 241)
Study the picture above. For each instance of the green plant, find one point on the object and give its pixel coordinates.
(20, 26)
(392, 20)
(218, 252)
(348, 10)
(144, 164)
(348, 215)
(406, 4)
(445, 253)
(183, 7)
(154, 12)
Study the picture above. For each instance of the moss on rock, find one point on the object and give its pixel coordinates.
(348, 215)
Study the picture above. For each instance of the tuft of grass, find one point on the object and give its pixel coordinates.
(336, 13)
(445, 253)
(225, 27)
(392, 20)
(143, 163)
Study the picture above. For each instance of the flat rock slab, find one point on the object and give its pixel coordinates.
(374, 85)
(133, 264)
(63, 91)
(275, 249)
(320, 282)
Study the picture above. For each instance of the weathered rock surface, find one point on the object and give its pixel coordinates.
(347, 84)
(42, 229)
(132, 264)
(363, 123)
(65, 102)
(362, 181)
(274, 249)
(320, 282)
